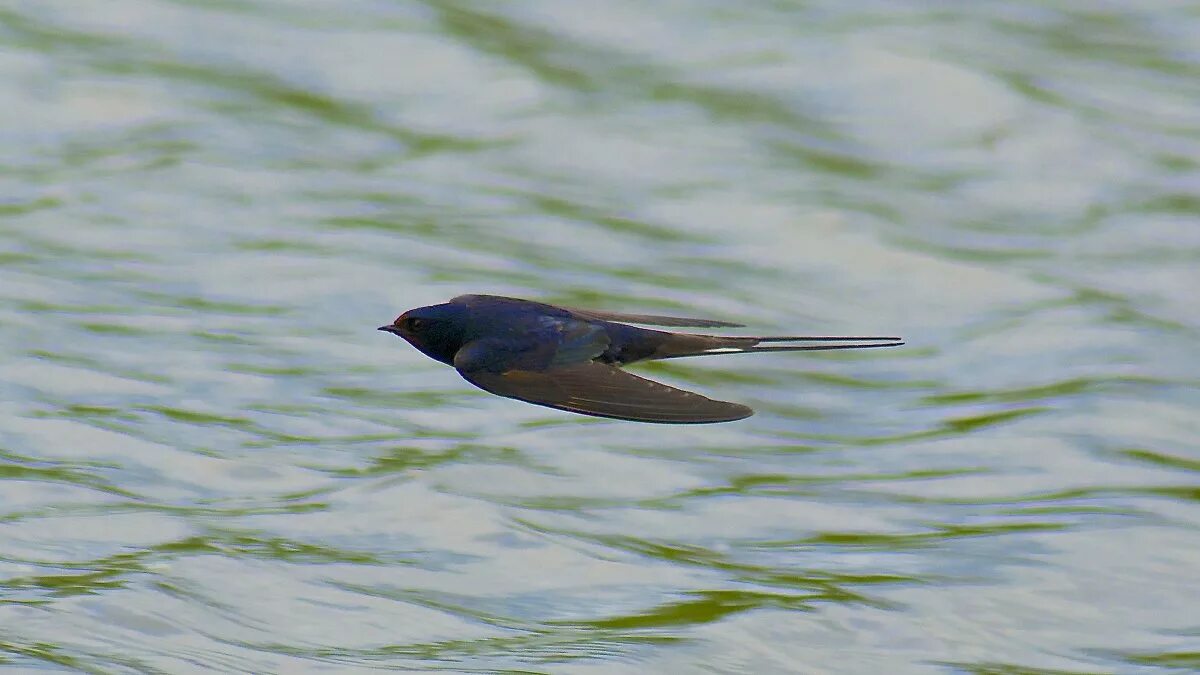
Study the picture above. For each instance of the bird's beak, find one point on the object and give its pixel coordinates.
(389, 329)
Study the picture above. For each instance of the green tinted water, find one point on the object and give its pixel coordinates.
(210, 461)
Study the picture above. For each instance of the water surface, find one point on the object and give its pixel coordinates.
(211, 462)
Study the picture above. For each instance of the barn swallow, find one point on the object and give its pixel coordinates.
(571, 359)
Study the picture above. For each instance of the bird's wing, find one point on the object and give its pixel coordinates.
(651, 319)
(593, 388)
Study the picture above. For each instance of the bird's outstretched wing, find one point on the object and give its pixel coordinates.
(651, 319)
(594, 388)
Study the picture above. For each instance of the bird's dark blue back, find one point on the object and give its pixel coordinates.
(501, 333)
(495, 316)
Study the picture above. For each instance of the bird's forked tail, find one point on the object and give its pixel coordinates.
(683, 344)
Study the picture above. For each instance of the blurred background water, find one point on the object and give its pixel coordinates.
(210, 461)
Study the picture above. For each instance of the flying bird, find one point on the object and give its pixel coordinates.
(571, 359)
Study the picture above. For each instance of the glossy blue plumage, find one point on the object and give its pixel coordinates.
(570, 359)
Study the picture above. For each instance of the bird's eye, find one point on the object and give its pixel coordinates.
(414, 323)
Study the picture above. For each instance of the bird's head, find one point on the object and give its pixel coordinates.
(436, 330)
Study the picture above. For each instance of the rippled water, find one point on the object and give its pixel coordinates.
(211, 461)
